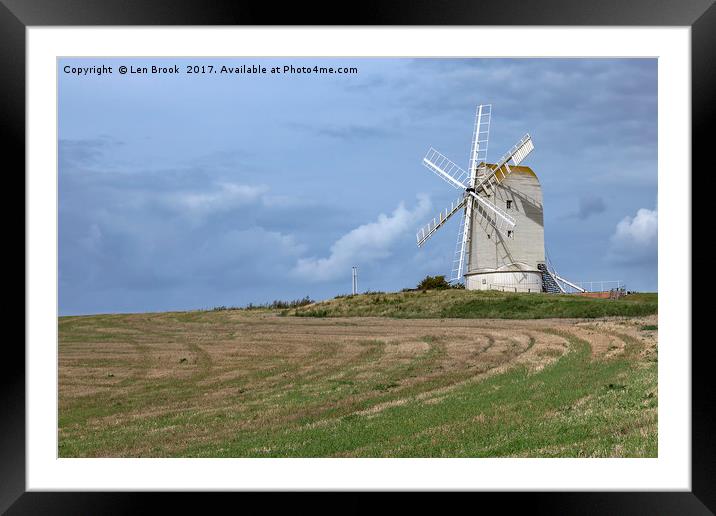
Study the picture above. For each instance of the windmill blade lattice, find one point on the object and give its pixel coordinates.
(498, 172)
(446, 169)
(480, 136)
(497, 217)
(431, 227)
(460, 248)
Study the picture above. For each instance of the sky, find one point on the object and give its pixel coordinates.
(190, 191)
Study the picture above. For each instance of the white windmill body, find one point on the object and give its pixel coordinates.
(500, 241)
(509, 260)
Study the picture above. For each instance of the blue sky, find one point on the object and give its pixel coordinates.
(193, 191)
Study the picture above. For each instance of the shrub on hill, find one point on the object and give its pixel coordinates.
(275, 305)
(278, 304)
(433, 283)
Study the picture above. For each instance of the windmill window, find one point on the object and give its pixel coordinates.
(509, 205)
(510, 233)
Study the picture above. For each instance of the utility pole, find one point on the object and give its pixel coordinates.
(355, 280)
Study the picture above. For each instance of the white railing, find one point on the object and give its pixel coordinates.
(598, 286)
(583, 286)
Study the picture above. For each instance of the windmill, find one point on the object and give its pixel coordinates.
(500, 242)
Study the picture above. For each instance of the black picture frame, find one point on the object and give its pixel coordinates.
(17, 15)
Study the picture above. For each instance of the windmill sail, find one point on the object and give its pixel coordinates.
(461, 247)
(427, 231)
(522, 149)
(497, 217)
(480, 135)
(499, 171)
(446, 169)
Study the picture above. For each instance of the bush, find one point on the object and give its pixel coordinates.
(433, 283)
(311, 313)
(291, 304)
(274, 305)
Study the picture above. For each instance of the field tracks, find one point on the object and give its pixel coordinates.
(242, 384)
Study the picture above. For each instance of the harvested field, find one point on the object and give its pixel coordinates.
(239, 383)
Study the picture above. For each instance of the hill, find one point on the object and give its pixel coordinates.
(470, 304)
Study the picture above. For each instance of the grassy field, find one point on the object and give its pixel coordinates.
(469, 304)
(238, 383)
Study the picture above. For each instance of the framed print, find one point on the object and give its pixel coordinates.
(224, 291)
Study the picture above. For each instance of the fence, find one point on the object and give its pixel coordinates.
(596, 286)
(611, 288)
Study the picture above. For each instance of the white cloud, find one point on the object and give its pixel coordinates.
(223, 197)
(365, 244)
(635, 238)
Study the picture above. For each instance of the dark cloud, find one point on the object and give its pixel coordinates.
(151, 232)
(349, 133)
(589, 205)
(84, 152)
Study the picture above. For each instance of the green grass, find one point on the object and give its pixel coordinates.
(479, 304)
(244, 390)
(576, 407)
